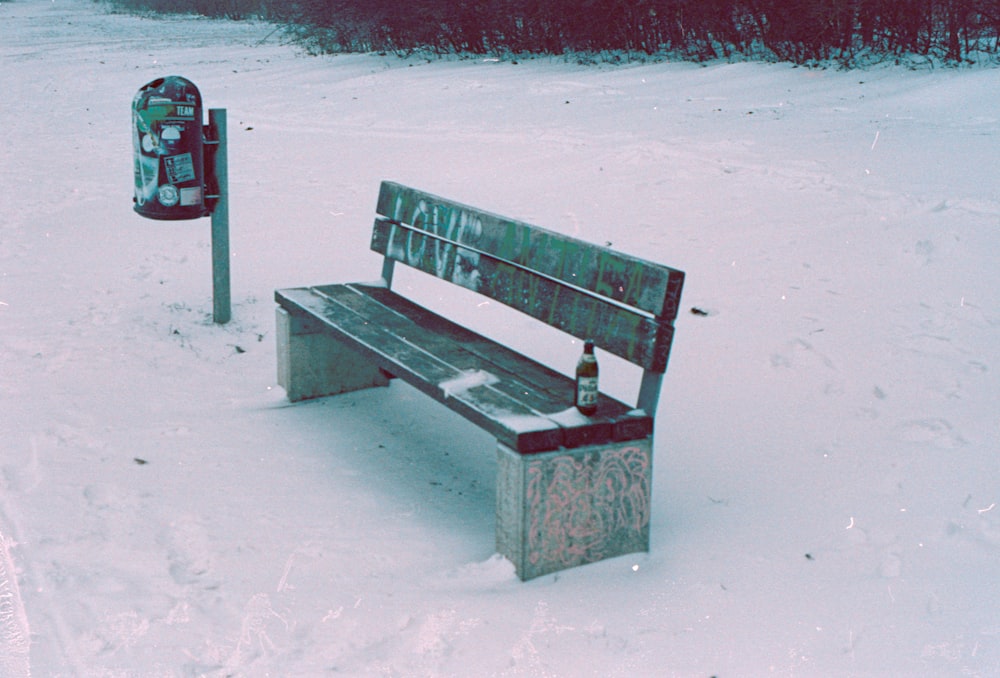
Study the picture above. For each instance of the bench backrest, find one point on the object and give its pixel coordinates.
(625, 304)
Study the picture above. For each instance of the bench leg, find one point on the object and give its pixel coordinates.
(569, 507)
(312, 363)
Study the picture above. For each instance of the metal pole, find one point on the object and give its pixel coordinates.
(221, 299)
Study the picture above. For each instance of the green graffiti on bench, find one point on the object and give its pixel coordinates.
(430, 236)
(604, 272)
(581, 507)
(633, 282)
(444, 259)
(621, 331)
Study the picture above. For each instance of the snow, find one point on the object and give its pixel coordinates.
(469, 379)
(570, 417)
(826, 483)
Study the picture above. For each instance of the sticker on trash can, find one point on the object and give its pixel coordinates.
(167, 195)
(180, 168)
(191, 196)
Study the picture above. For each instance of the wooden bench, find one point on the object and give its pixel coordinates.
(570, 489)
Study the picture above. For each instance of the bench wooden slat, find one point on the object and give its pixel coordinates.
(636, 337)
(544, 391)
(372, 338)
(425, 371)
(436, 361)
(537, 386)
(645, 285)
(478, 352)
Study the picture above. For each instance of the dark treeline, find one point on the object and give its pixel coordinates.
(792, 30)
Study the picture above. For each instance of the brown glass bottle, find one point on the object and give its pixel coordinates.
(586, 380)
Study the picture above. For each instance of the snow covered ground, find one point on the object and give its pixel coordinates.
(827, 479)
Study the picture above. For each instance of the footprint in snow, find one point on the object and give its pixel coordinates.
(938, 432)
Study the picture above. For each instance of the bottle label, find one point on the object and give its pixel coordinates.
(586, 391)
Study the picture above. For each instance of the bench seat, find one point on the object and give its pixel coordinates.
(524, 404)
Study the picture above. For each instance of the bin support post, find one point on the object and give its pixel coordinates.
(221, 298)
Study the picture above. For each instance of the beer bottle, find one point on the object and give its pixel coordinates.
(586, 380)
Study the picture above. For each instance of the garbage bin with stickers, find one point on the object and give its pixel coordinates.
(168, 148)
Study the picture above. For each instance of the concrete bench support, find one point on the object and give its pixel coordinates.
(311, 363)
(569, 507)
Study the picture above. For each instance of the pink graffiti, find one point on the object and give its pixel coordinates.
(577, 507)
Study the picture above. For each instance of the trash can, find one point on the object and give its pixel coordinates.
(168, 149)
